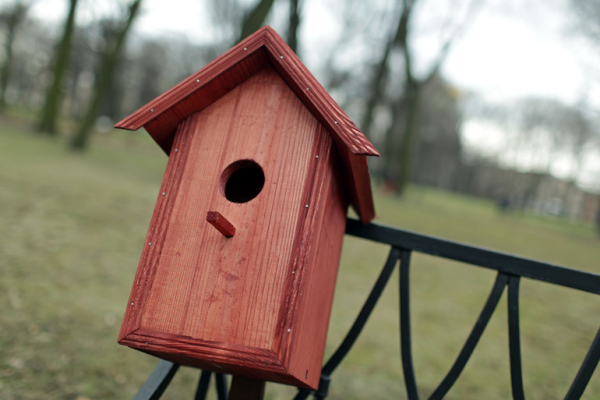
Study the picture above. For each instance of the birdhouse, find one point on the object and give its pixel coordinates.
(238, 269)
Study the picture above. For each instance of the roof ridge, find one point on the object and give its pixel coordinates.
(161, 116)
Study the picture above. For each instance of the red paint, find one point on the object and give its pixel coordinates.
(161, 116)
(257, 305)
(220, 223)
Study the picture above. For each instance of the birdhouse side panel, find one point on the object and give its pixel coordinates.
(230, 290)
(317, 262)
(156, 232)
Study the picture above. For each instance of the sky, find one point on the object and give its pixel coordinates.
(508, 50)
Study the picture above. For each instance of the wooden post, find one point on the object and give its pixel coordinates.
(246, 389)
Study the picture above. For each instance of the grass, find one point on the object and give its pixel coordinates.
(73, 226)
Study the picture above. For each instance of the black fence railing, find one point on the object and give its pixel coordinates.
(509, 269)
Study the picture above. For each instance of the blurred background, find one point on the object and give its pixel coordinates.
(486, 114)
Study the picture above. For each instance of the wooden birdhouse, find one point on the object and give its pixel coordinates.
(239, 266)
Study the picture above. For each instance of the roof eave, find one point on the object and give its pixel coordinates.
(161, 116)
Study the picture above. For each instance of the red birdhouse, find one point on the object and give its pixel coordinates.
(238, 270)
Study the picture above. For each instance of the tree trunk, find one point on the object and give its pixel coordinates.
(410, 135)
(13, 19)
(376, 89)
(392, 139)
(80, 139)
(51, 108)
(292, 37)
(255, 18)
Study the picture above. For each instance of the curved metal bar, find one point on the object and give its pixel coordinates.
(585, 371)
(364, 314)
(303, 394)
(357, 327)
(158, 381)
(221, 381)
(405, 331)
(467, 350)
(203, 383)
(514, 339)
(502, 262)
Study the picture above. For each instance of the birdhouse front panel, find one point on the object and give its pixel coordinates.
(261, 159)
(239, 266)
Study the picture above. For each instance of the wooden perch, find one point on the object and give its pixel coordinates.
(219, 222)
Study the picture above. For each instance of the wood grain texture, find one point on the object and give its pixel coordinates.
(161, 116)
(246, 389)
(156, 232)
(221, 303)
(220, 223)
(358, 182)
(310, 291)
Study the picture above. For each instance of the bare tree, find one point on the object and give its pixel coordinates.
(255, 18)
(294, 23)
(51, 110)
(105, 77)
(402, 135)
(588, 15)
(11, 17)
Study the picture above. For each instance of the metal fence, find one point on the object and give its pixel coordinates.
(510, 269)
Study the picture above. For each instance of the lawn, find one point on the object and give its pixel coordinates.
(73, 226)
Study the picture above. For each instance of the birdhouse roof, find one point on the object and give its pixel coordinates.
(162, 115)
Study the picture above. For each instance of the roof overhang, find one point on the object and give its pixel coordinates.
(162, 115)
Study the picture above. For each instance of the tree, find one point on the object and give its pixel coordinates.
(105, 77)
(402, 135)
(255, 18)
(51, 110)
(294, 23)
(11, 17)
(439, 150)
(588, 15)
